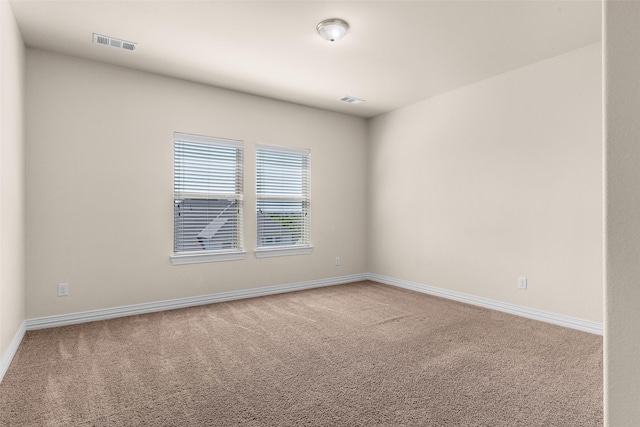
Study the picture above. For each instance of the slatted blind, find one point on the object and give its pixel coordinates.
(283, 196)
(207, 194)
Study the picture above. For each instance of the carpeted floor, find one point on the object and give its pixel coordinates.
(361, 354)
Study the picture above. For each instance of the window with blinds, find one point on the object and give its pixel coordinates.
(283, 197)
(207, 195)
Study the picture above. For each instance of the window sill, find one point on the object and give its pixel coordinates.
(283, 251)
(197, 258)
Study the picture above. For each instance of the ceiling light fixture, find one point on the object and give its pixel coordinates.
(332, 29)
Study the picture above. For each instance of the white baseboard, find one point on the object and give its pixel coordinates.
(530, 313)
(7, 357)
(131, 310)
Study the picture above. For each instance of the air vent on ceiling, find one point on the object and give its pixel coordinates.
(113, 42)
(351, 100)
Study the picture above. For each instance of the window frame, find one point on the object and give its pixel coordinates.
(212, 255)
(285, 250)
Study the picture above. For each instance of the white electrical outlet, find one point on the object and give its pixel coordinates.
(522, 282)
(338, 260)
(63, 289)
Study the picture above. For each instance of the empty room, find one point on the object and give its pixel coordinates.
(287, 213)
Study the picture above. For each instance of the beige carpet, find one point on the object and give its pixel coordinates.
(362, 354)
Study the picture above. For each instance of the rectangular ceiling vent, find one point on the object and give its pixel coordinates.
(113, 42)
(351, 100)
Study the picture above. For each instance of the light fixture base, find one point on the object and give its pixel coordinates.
(332, 29)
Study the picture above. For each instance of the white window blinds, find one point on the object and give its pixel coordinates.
(283, 197)
(207, 194)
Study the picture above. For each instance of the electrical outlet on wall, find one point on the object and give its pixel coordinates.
(338, 261)
(63, 289)
(522, 282)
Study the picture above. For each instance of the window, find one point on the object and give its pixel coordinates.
(207, 199)
(282, 177)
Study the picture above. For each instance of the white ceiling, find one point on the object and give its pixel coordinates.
(396, 52)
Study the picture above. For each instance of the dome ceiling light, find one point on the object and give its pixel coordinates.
(332, 29)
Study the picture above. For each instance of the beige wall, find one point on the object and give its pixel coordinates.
(502, 178)
(100, 181)
(466, 191)
(622, 213)
(12, 287)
